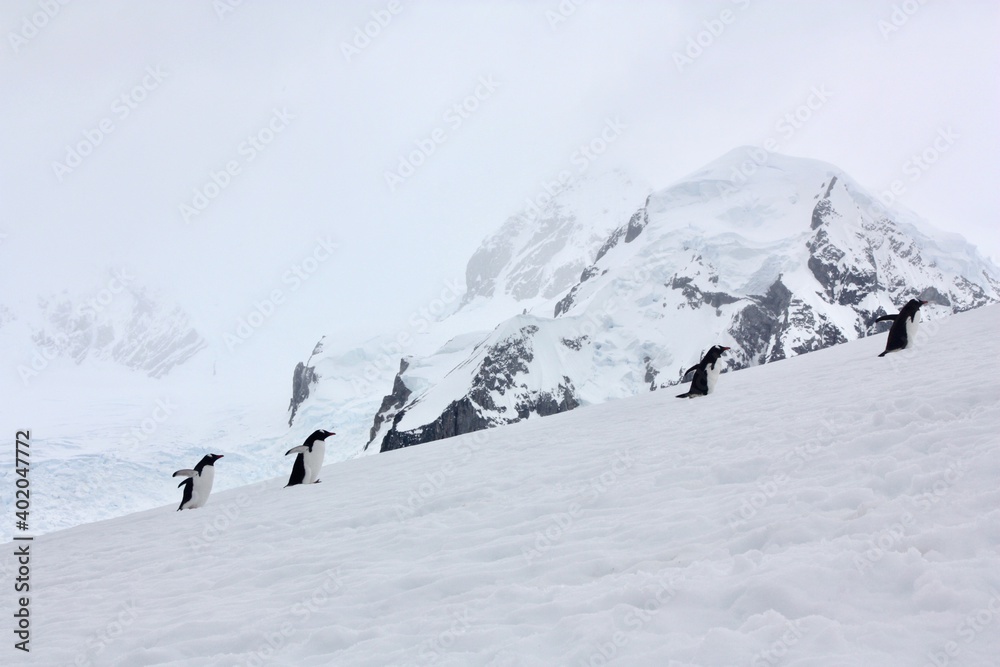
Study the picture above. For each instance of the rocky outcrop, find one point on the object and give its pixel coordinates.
(391, 404)
(303, 378)
(502, 390)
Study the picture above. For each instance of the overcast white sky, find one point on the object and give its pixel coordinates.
(198, 81)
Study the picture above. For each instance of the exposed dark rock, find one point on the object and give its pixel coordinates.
(565, 303)
(933, 295)
(497, 374)
(575, 344)
(303, 378)
(392, 403)
(636, 224)
(651, 373)
(461, 416)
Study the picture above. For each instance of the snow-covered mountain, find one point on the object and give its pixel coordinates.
(793, 257)
(118, 321)
(539, 252)
(534, 257)
(833, 509)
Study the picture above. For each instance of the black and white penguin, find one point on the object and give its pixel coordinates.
(903, 331)
(706, 372)
(198, 484)
(305, 470)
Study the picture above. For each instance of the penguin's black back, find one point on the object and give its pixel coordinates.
(188, 485)
(298, 471)
(898, 338)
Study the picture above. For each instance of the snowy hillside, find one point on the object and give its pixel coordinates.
(832, 509)
(791, 258)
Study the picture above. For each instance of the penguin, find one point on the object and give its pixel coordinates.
(305, 470)
(198, 484)
(706, 372)
(904, 326)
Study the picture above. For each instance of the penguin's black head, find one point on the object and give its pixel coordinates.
(914, 304)
(319, 435)
(207, 460)
(716, 351)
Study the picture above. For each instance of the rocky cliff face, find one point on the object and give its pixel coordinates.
(502, 390)
(303, 378)
(794, 258)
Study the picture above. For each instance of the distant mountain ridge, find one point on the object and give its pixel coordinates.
(795, 258)
(122, 323)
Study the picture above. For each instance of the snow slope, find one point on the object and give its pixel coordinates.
(830, 509)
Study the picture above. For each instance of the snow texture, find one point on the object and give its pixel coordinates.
(831, 509)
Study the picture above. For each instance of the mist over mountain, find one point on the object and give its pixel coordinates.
(774, 258)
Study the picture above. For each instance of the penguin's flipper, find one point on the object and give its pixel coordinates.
(186, 472)
(886, 318)
(297, 450)
(688, 372)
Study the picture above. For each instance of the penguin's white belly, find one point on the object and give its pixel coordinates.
(313, 461)
(912, 326)
(201, 487)
(712, 375)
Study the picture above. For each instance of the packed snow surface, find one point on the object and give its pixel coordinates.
(831, 509)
